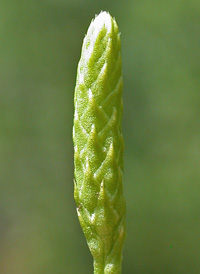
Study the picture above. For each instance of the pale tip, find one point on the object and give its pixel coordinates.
(90, 95)
(103, 19)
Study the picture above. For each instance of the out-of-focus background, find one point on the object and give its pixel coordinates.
(40, 44)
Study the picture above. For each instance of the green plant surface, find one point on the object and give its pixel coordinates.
(98, 144)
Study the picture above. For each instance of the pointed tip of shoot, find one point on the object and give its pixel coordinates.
(103, 19)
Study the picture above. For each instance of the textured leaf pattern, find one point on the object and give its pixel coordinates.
(98, 144)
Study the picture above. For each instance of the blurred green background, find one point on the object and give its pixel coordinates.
(40, 44)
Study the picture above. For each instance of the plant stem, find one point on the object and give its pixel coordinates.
(99, 146)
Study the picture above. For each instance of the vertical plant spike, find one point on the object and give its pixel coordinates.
(98, 144)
